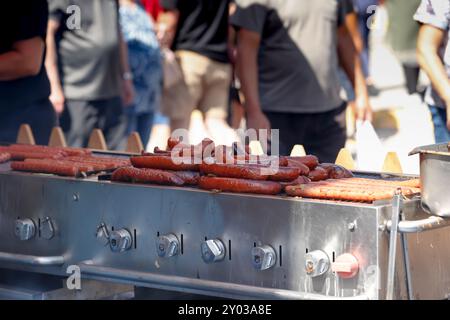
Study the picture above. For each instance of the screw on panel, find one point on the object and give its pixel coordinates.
(352, 226)
(76, 197)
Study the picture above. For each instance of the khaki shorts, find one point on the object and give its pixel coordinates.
(206, 87)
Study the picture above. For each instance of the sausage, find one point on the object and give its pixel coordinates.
(102, 163)
(50, 167)
(172, 143)
(354, 194)
(414, 183)
(233, 171)
(343, 183)
(4, 157)
(310, 161)
(318, 174)
(67, 151)
(157, 151)
(130, 174)
(300, 180)
(75, 151)
(162, 163)
(22, 155)
(336, 171)
(239, 185)
(189, 177)
(297, 164)
(285, 174)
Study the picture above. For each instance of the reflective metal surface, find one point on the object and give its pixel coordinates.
(292, 227)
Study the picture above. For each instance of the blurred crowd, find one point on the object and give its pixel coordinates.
(122, 66)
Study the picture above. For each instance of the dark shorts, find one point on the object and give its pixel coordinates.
(439, 116)
(39, 115)
(322, 134)
(80, 118)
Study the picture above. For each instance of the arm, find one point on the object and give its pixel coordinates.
(51, 64)
(128, 87)
(429, 41)
(349, 41)
(167, 27)
(24, 60)
(247, 69)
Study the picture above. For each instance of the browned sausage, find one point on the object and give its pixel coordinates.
(190, 177)
(22, 155)
(157, 151)
(4, 157)
(300, 180)
(45, 149)
(355, 194)
(172, 143)
(414, 183)
(239, 185)
(233, 171)
(162, 163)
(50, 167)
(297, 164)
(344, 183)
(108, 163)
(130, 174)
(318, 174)
(285, 174)
(310, 161)
(336, 171)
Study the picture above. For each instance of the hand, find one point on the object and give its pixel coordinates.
(128, 93)
(362, 108)
(57, 99)
(257, 120)
(448, 117)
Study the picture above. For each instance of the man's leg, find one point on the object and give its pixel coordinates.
(214, 102)
(439, 116)
(144, 126)
(327, 134)
(78, 121)
(292, 129)
(113, 121)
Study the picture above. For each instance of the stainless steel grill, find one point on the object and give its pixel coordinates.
(221, 244)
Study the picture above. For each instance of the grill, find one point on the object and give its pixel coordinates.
(221, 244)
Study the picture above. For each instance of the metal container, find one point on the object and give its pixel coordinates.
(435, 178)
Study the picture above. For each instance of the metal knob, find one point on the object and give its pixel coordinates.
(263, 258)
(25, 229)
(317, 263)
(213, 251)
(47, 230)
(120, 240)
(167, 246)
(102, 234)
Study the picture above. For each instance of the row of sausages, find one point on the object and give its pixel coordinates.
(61, 161)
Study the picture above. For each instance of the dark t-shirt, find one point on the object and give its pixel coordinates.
(202, 27)
(20, 22)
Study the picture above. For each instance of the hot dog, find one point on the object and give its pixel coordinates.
(335, 171)
(318, 174)
(5, 157)
(50, 167)
(300, 180)
(22, 155)
(239, 185)
(130, 174)
(414, 183)
(233, 171)
(343, 183)
(310, 161)
(355, 194)
(162, 163)
(190, 177)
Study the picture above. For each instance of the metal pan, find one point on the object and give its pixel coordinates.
(435, 178)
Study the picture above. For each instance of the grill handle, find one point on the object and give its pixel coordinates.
(199, 286)
(31, 260)
(417, 226)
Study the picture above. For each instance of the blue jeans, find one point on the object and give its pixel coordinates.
(439, 116)
(141, 123)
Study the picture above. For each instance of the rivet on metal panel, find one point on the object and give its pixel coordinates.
(352, 226)
(76, 197)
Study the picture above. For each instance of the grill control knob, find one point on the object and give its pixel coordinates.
(346, 266)
(317, 263)
(213, 251)
(167, 246)
(120, 240)
(47, 230)
(263, 258)
(24, 229)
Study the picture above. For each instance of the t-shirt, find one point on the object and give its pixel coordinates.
(437, 14)
(22, 22)
(298, 61)
(202, 27)
(88, 52)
